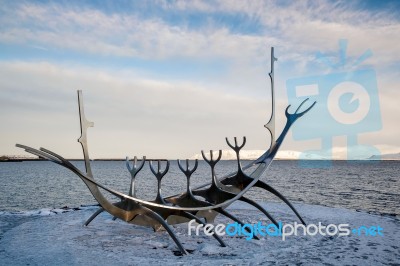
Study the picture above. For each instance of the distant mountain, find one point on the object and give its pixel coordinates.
(288, 155)
(254, 154)
(393, 156)
(231, 155)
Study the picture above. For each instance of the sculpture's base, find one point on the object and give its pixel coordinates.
(61, 239)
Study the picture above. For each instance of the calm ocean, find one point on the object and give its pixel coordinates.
(367, 186)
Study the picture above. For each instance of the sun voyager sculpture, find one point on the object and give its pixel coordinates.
(202, 203)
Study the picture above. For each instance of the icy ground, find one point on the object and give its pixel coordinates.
(60, 239)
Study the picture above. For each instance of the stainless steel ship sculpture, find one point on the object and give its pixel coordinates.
(166, 211)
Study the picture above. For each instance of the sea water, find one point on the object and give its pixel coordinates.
(358, 185)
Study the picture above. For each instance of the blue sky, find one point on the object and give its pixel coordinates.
(169, 78)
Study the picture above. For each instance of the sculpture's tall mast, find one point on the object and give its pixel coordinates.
(85, 124)
(271, 123)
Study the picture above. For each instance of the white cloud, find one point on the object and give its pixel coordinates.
(299, 28)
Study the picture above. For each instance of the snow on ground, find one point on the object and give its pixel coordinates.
(59, 239)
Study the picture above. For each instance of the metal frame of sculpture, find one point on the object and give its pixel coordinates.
(165, 211)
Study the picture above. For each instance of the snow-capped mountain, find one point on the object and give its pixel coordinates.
(254, 154)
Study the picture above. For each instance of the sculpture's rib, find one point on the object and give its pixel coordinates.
(94, 215)
(159, 175)
(267, 187)
(192, 216)
(234, 218)
(259, 207)
(158, 218)
(134, 171)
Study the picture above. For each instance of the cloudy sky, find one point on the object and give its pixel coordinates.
(169, 78)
